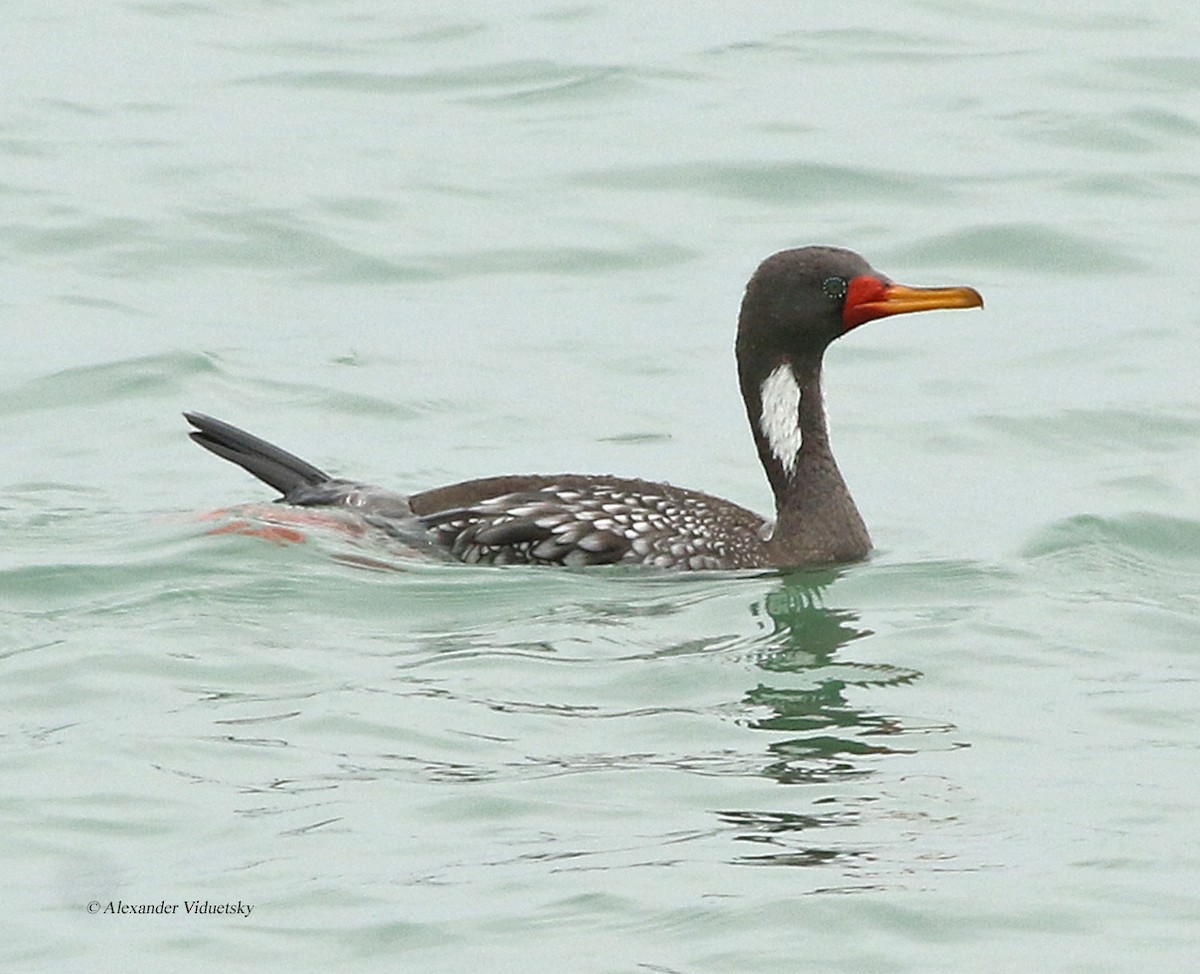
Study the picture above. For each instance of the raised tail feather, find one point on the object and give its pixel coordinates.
(284, 471)
(303, 484)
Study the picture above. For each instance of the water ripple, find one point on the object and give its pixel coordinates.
(1024, 246)
(767, 181)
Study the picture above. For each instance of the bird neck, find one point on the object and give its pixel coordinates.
(816, 518)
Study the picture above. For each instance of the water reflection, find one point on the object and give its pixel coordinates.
(805, 640)
(834, 737)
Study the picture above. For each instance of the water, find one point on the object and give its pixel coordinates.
(418, 246)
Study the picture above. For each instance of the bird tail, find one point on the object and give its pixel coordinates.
(284, 471)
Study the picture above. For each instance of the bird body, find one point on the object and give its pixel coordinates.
(797, 302)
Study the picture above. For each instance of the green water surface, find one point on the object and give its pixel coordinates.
(417, 244)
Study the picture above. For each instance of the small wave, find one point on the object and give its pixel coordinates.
(1134, 538)
(1023, 246)
(767, 181)
(1082, 431)
(1151, 560)
(108, 382)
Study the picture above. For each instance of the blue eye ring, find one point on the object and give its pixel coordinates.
(834, 287)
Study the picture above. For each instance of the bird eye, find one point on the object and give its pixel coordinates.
(834, 287)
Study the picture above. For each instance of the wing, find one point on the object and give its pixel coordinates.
(594, 522)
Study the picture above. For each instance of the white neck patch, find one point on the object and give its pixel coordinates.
(780, 420)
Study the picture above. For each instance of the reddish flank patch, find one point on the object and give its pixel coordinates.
(280, 525)
(271, 532)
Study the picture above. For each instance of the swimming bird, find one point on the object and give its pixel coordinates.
(796, 303)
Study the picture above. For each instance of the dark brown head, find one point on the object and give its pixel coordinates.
(798, 301)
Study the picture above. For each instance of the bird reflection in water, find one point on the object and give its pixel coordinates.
(833, 740)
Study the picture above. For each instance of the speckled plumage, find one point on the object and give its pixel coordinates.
(797, 302)
(602, 522)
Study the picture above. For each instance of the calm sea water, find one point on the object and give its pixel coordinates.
(418, 245)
